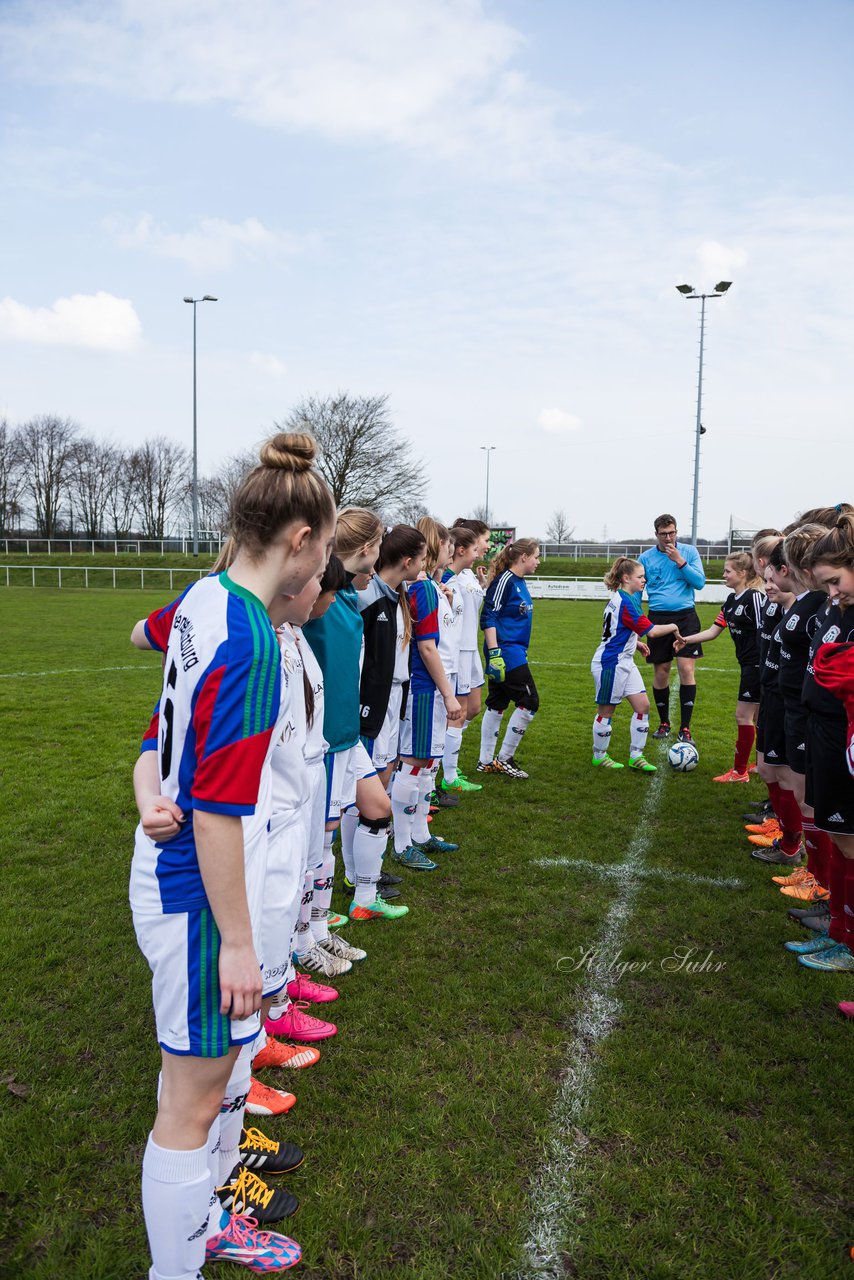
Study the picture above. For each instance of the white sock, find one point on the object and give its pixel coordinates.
(349, 823)
(232, 1111)
(323, 880)
(304, 938)
(176, 1189)
(368, 849)
(519, 722)
(420, 827)
(639, 731)
(601, 736)
(404, 800)
(450, 760)
(489, 729)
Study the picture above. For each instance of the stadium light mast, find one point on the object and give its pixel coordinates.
(487, 449)
(206, 298)
(688, 291)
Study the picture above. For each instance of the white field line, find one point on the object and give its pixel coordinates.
(71, 671)
(623, 871)
(553, 1198)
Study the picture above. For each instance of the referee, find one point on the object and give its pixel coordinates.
(674, 572)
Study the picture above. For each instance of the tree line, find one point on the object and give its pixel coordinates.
(56, 480)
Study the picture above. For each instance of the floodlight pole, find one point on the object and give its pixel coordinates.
(487, 449)
(206, 298)
(688, 291)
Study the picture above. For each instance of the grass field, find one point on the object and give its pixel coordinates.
(494, 1105)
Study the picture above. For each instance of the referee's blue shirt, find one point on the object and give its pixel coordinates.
(667, 586)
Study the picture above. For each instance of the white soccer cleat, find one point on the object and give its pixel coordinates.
(320, 960)
(335, 945)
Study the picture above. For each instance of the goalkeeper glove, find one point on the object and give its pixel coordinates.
(495, 668)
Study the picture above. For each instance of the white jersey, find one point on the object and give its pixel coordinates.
(450, 625)
(401, 653)
(316, 745)
(472, 596)
(217, 720)
(290, 772)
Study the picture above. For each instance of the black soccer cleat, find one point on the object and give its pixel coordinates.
(247, 1193)
(265, 1155)
(387, 879)
(684, 735)
(663, 730)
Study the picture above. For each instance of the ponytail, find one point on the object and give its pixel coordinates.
(508, 555)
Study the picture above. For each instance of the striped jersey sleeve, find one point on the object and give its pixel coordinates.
(632, 617)
(424, 608)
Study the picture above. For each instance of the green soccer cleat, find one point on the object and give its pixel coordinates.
(378, 910)
(415, 858)
(460, 783)
(642, 766)
(437, 845)
(606, 763)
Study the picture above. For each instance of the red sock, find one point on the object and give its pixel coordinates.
(743, 746)
(815, 853)
(838, 886)
(786, 809)
(849, 903)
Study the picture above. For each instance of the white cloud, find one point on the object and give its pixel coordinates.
(211, 245)
(557, 422)
(99, 320)
(718, 261)
(423, 73)
(270, 364)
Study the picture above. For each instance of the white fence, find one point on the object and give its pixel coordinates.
(208, 546)
(101, 576)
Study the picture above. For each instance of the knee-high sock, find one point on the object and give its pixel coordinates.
(450, 760)
(836, 885)
(404, 801)
(687, 698)
(745, 738)
(176, 1192)
(849, 903)
(232, 1111)
(601, 736)
(789, 814)
(349, 823)
(515, 732)
(304, 939)
(815, 858)
(323, 881)
(369, 844)
(420, 828)
(662, 703)
(639, 732)
(489, 729)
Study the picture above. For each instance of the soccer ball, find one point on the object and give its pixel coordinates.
(683, 757)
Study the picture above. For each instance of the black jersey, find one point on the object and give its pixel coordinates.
(771, 613)
(796, 630)
(742, 615)
(833, 625)
(769, 671)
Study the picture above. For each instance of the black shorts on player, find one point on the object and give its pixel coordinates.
(829, 787)
(771, 728)
(795, 724)
(518, 687)
(661, 647)
(748, 685)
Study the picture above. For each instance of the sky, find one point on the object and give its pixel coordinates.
(479, 209)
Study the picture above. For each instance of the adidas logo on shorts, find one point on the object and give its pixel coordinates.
(769, 754)
(802, 746)
(836, 817)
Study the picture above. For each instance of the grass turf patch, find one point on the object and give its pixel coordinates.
(714, 1127)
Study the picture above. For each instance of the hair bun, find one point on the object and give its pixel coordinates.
(289, 451)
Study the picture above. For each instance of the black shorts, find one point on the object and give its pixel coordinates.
(771, 729)
(829, 785)
(517, 686)
(661, 647)
(795, 721)
(748, 685)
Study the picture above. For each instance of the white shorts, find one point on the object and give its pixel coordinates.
(387, 741)
(423, 734)
(615, 683)
(314, 814)
(343, 770)
(182, 950)
(470, 674)
(287, 855)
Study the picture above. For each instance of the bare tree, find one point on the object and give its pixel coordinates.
(91, 467)
(558, 530)
(121, 491)
(11, 477)
(163, 476)
(365, 460)
(46, 444)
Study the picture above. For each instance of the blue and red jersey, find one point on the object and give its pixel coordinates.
(622, 624)
(424, 608)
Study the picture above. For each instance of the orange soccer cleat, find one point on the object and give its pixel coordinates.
(800, 876)
(770, 827)
(812, 892)
(732, 775)
(278, 1054)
